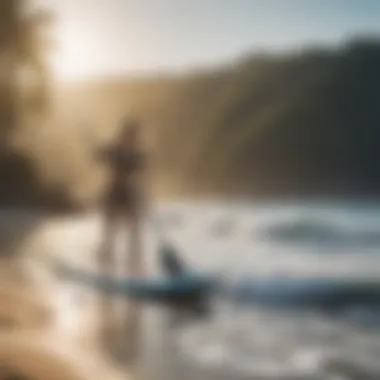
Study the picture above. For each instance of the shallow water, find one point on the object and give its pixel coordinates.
(246, 340)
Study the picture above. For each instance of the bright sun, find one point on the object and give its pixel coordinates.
(73, 58)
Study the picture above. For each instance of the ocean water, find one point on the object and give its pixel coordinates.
(311, 249)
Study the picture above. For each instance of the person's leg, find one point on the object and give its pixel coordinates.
(106, 257)
(106, 265)
(133, 264)
(134, 254)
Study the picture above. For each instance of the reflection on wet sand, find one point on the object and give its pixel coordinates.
(21, 307)
(16, 228)
(43, 334)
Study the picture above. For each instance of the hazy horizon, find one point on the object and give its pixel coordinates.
(129, 37)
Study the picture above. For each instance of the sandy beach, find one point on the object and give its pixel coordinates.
(45, 331)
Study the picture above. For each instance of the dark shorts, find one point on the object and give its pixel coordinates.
(124, 199)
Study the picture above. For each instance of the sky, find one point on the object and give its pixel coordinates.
(117, 37)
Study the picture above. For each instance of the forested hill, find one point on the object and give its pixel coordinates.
(302, 123)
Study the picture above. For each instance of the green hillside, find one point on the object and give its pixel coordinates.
(302, 123)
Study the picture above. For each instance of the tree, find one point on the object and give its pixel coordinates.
(31, 48)
(9, 11)
(23, 48)
(24, 44)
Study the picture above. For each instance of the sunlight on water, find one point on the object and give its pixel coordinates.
(246, 339)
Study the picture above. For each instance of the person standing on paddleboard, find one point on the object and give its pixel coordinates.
(123, 204)
(123, 199)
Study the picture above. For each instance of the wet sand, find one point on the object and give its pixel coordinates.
(47, 332)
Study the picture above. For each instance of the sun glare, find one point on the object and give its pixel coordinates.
(74, 57)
